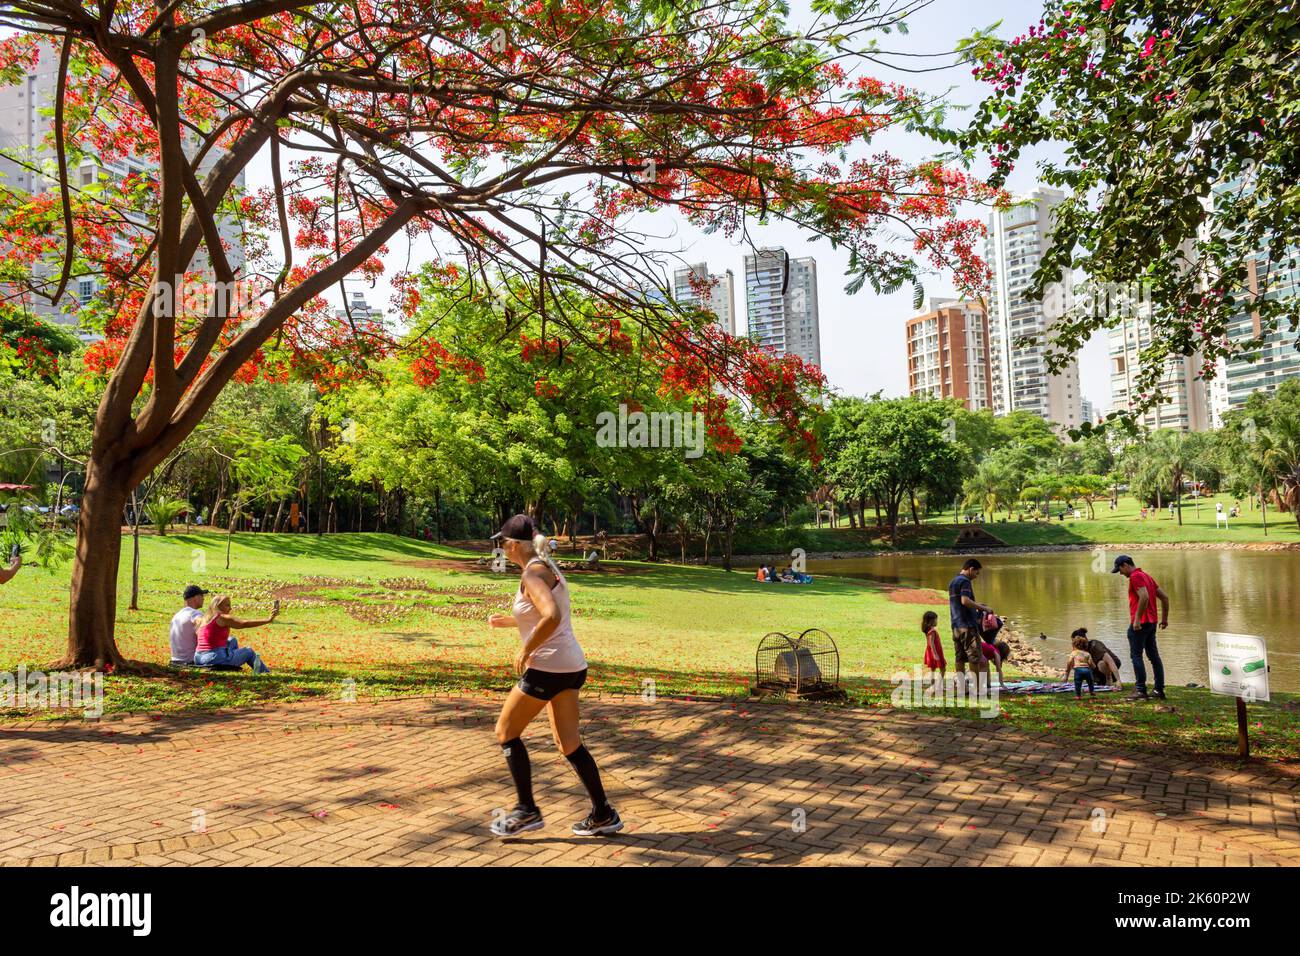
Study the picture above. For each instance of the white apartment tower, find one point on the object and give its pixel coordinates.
(1187, 405)
(1018, 238)
(694, 286)
(781, 303)
(1265, 359)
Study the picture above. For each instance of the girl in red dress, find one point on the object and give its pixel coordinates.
(934, 660)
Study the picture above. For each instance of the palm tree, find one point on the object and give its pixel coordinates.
(163, 511)
(1172, 457)
(1279, 454)
(990, 486)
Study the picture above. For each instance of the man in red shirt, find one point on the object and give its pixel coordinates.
(1142, 595)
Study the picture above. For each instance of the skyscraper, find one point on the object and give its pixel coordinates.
(781, 303)
(947, 353)
(694, 285)
(358, 309)
(1276, 359)
(1187, 407)
(1018, 238)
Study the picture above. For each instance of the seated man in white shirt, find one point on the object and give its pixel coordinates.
(184, 630)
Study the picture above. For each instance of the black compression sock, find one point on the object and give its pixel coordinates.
(521, 770)
(585, 766)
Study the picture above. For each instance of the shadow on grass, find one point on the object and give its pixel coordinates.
(362, 546)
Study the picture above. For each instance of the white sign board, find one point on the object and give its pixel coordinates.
(1238, 665)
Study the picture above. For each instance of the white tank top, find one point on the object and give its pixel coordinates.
(561, 653)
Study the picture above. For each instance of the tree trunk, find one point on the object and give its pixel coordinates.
(135, 553)
(93, 609)
(320, 483)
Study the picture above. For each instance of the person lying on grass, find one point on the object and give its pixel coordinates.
(216, 648)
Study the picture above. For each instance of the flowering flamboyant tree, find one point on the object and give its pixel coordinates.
(515, 140)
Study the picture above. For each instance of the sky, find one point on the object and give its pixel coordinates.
(862, 335)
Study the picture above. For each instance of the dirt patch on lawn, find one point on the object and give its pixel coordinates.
(382, 602)
(901, 595)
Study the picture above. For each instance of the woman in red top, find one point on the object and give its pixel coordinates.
(216, 647)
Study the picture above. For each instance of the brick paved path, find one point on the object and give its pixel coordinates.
(414, 782)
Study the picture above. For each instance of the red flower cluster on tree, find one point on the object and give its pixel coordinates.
(427, 368)
(696, 363)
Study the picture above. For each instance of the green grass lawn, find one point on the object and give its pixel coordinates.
(1125, 525)
(391, 616)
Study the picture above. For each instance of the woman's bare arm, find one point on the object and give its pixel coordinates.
(236, 624)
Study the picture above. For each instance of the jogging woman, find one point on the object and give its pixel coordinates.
(551, 668)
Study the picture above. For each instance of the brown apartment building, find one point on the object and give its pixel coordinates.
(948, 353)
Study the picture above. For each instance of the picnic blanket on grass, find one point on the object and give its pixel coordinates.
(1045, 687)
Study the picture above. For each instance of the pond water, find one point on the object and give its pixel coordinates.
(1053, 593)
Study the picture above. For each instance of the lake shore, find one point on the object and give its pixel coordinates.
(752, 560)
(1026, 657)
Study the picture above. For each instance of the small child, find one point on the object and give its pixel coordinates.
(934, 659)
(997, 654)
(1080, 661)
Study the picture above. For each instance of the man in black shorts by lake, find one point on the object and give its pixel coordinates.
(965, 613)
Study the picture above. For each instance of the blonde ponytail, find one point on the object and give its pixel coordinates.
(542, 546)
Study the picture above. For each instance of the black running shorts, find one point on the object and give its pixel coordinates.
(546, 684)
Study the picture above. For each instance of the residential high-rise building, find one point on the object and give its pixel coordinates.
(1187, 404)
(1089, 411)
(358, 309)
(695, 286)
(1266, 366)
(1018, 238)
(947, 353)
(781, 303)
(26, 119)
